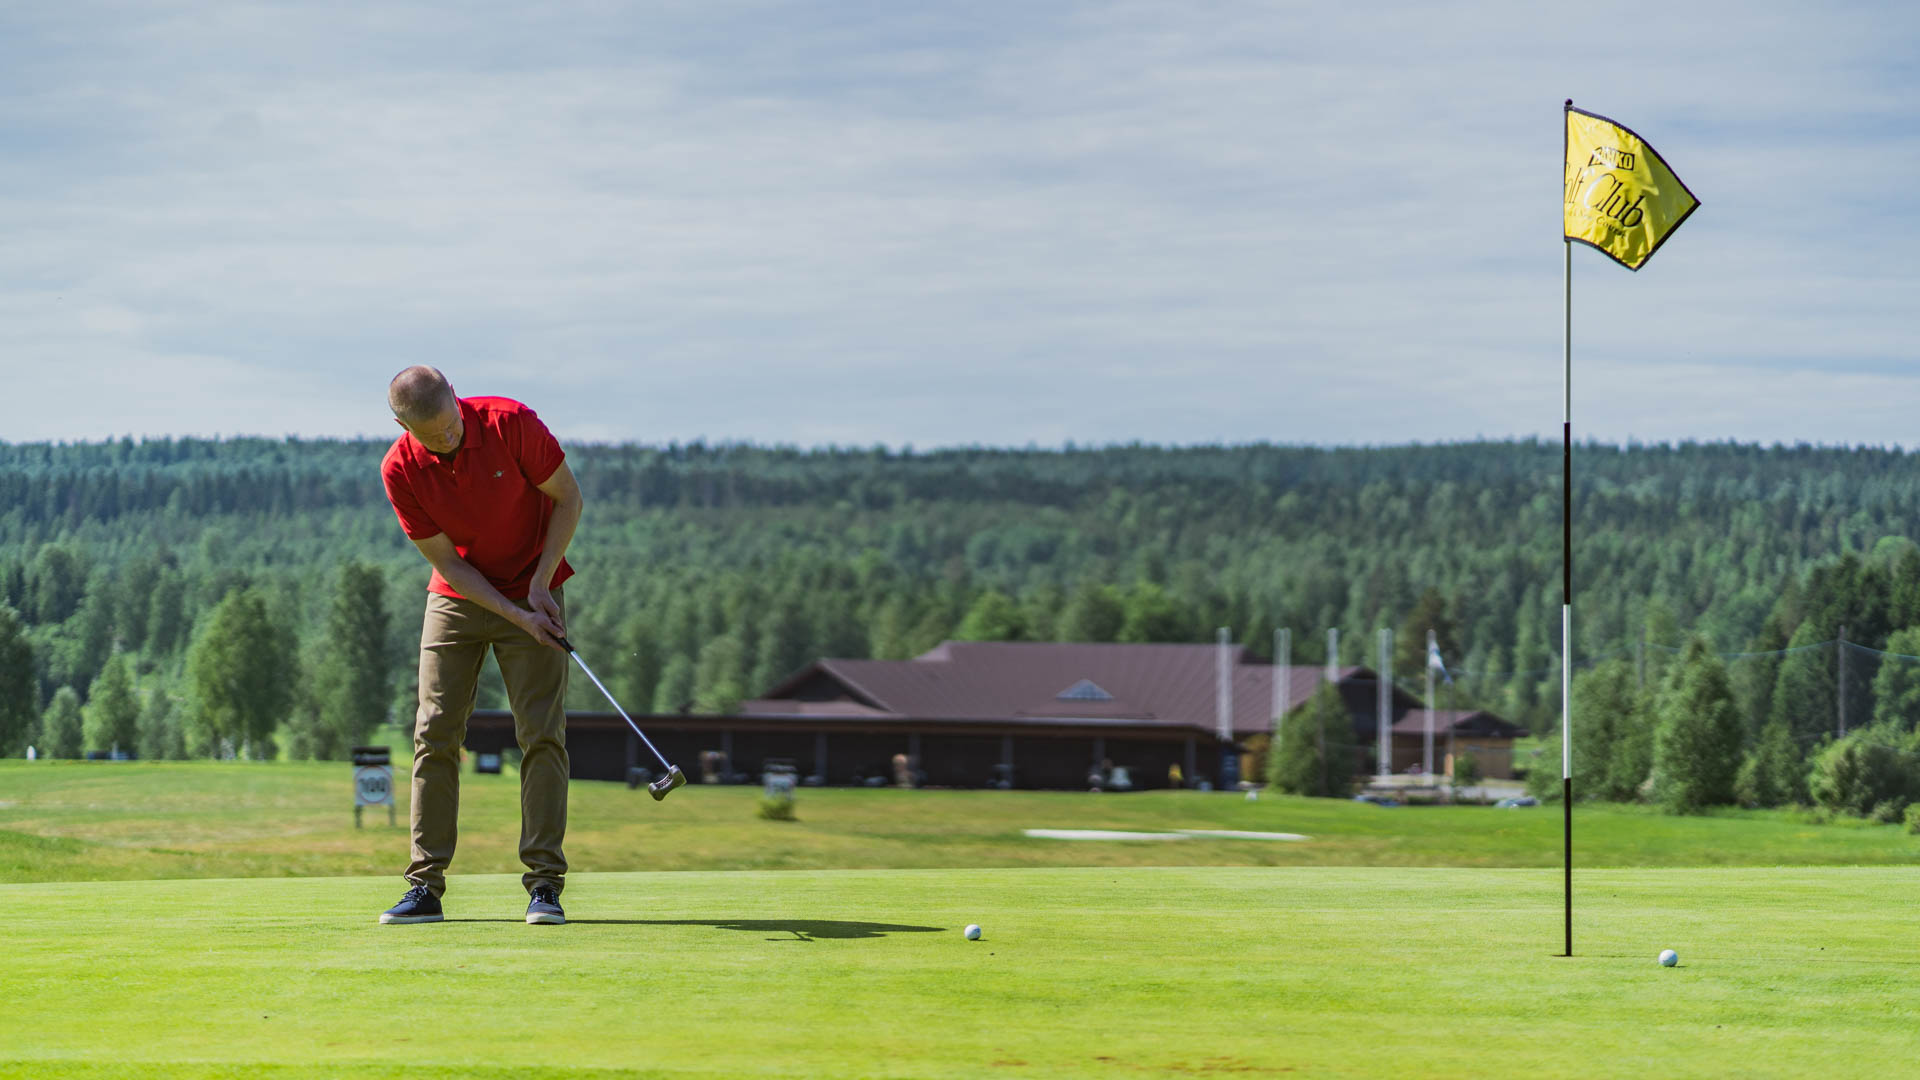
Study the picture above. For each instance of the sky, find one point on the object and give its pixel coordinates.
(939, 224)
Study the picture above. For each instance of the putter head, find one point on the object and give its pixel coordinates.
(674, 778)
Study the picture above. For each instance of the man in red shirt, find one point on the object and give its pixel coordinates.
(483, 490)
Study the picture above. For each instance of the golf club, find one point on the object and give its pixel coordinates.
(674, 778)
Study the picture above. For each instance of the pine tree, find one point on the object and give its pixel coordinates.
(836, 628)
(892, 624)
(166, 614)
(112, 711)
(1631, 761)
(1696, 750)
(1903, 606)
(1605, 704)
(638, 672)
(354, 678)
(1775, 774)
(83, 643)
(678, 628)
(1315, 750)
(1661, 630)
(1803, 691)
(1155, 615)
(993, 617)
(720, 676)
(55, 585)
(783, 646)
(933, 628)
(1896, 689)
(1094, 613)
(19, 689)
(136, 601)
(159, 737)
(1410, 640)
(240, 676)
(62, 727)
(1040, 610)
(675, 689)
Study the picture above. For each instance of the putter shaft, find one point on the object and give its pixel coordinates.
(616, 706)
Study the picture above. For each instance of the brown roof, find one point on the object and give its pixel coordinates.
(1169, 684)
(1477, 721)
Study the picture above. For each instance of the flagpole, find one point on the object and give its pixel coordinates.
(1628, 203)
(1566, 570)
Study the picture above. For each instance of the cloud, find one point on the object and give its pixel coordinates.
(992, 224)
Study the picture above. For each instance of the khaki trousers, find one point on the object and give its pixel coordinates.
(454, 639)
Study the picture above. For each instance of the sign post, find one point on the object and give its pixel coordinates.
(372, 780)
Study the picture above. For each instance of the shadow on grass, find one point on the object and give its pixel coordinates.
(801, 929)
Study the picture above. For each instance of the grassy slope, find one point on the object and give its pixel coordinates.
(100, 820)
(1329, 971)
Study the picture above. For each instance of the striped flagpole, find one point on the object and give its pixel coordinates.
(1566, 580)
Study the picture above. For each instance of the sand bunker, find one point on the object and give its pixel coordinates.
(1100, 834)
(1183, 834)
(1237, 834)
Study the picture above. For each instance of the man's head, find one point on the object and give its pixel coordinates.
(423, 402)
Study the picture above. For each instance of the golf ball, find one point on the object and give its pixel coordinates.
(1668, 958)
(973, 931)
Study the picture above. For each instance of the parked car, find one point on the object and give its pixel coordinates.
(1512, 801)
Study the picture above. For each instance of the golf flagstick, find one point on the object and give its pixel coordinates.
(1623, 200)
(674, 778)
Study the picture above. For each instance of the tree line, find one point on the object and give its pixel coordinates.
(710, 572)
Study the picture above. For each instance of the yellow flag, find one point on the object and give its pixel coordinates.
(1621, 197)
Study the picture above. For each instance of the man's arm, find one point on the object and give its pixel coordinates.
(473, 585)
(567, 505)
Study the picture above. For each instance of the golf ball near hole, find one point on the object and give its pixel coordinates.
(1668, 958)
(973, 931)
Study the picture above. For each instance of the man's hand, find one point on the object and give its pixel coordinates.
(543, 622)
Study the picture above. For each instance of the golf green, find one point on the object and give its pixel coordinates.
(1097, 971)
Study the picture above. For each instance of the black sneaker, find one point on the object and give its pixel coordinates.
(544, 907)
(419, 905)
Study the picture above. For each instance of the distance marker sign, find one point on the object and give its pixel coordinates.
(373, 785)
(372, 780)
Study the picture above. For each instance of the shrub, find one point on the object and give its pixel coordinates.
(1855, 775)
(1913, 818)
(1543, 771)
(777, 809)
(1466, 771)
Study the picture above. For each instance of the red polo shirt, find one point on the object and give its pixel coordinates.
(485, 496)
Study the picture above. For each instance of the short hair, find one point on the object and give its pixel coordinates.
(419, 394)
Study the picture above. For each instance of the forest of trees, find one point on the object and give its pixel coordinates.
(254, 597)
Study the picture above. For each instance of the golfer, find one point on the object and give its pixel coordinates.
(483, 490)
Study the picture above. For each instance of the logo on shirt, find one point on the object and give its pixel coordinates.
(498, 473)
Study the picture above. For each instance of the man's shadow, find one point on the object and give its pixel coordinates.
(801, 929)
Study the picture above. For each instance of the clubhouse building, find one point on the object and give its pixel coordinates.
(1024, 715)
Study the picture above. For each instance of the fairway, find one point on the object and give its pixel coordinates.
(75, 821)
(1335, 972)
